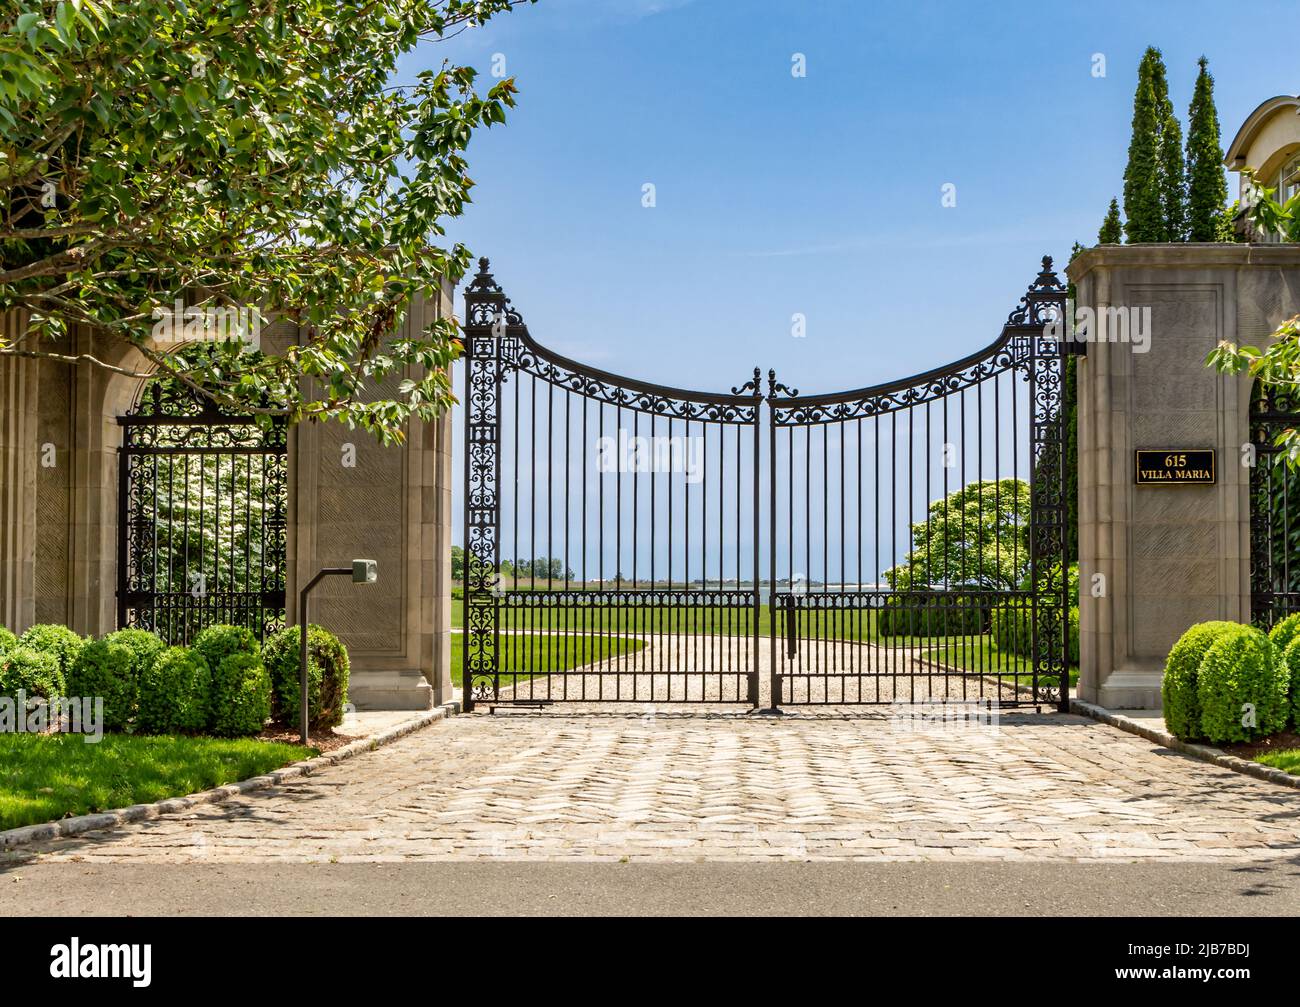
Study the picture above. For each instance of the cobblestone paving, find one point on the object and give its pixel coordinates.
(582, 784)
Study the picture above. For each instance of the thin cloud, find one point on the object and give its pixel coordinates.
(869, 242)
(619, 10)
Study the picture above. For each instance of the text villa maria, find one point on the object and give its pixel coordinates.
(1174, 467)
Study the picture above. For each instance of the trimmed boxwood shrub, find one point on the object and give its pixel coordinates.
(7, 639)
(216, 643)
(240, 697)
(143, 645)
(1238, 669)
(1290, 659)
(58, 641)
(174, 693)
(1178, 689)
(1284, 632)
(327, 675)
(103, 669)
(30, 671)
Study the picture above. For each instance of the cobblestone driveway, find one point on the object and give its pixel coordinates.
(732, 786)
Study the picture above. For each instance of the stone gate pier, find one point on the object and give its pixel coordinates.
(1159, 550)
(60, 514)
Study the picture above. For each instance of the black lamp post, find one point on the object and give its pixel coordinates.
(363, 571)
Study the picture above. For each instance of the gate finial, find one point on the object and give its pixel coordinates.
(775, 388)
(483, 278)
(1037, 307)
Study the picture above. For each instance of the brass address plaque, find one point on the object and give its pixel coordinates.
(1173, 467)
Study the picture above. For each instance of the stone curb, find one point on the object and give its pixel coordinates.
(65, 827)
(1203, 752)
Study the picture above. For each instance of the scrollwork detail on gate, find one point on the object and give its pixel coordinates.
(1044, 362)
(1042, 305)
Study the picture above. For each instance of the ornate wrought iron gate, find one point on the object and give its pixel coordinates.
(1274, 508)
(913, 548)
(611, 527)
(202, 498)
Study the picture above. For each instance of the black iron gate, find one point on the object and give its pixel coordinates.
(914, 541)
(1274, 507)
(611, 528)
(202, 498)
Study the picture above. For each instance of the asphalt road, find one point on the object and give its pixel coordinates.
(34, 888)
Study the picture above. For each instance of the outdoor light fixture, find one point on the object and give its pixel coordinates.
(363, 571)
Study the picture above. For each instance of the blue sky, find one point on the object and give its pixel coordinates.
(818, 195)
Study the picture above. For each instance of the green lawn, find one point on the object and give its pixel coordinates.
(1287, 760)
(49, 776)
(974, 653)
(678, 619)
(979, 654)
(522, 655)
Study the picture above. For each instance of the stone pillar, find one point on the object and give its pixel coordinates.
(17, 484)
(1167, 556)
(351, 498)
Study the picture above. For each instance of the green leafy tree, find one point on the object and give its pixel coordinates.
(976, 538)
(1143, 212)
(1207, 188)
(457, 563)
(232, 153)
(1112, 231)
(1269, 217)
(1276, 367)
(1226, 224)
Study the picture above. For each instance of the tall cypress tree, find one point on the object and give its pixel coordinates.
(1169, 154)
(1143, 213)
(1112, 231)
(1207, 189)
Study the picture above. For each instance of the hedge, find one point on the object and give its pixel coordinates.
(930, 613)
(174, 693)
(1290, 659)
(60, 643)
(30, 671)
(143, 645)
(7, 640)
(103, 669)
(240, 696)
(1240, 670)
(327, 676)
(216, 643)
(1284, 632)
(1178, 688)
